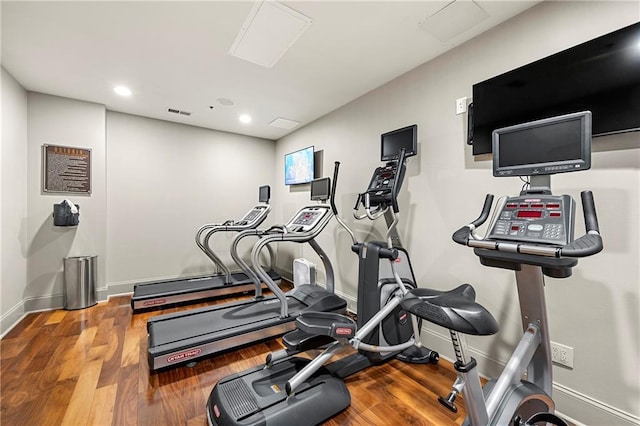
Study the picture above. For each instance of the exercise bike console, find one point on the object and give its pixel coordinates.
(540, 219)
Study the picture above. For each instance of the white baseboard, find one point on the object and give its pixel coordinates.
(30, 305)
(588, 410)
(26, 306)
(572, 405)
(11, 318)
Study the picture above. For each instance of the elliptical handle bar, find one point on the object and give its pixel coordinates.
(334, 209)
(399, 177)
(332, 197)
(461, 236)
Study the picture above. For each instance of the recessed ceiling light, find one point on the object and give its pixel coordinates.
(122, 91)
(244, 118)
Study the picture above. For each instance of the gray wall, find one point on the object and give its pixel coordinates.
(164, 181)
(596, 311)
(67, 122)
(158, 184)
(13, 210)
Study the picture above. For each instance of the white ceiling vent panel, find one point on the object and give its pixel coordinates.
(283, 123)
(268, 32)
(454, 19)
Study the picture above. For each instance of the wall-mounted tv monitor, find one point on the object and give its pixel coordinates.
(392, 142)
(264, 194)
(299, 166)
(321, 189)
(543, 147)
(601, 75)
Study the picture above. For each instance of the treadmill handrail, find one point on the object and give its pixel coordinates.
(293, 236)
(237, 259)
(241, 262)
(227, 226)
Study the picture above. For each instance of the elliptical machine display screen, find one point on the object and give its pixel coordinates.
(381, 185)
(537, 219)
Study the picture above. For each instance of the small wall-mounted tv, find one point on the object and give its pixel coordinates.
(543, 147)
(392, 142)
(601, 75)
(320, 189)
(299, 166)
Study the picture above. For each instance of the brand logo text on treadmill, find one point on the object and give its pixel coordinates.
(154, 302)
(184, 355)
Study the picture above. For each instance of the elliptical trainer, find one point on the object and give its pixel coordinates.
(531, 234)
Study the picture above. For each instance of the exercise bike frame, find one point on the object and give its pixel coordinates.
(532, 354)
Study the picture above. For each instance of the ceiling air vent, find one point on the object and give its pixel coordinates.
(177, 111)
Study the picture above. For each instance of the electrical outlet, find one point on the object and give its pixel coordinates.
(561, 354)
(461, 105)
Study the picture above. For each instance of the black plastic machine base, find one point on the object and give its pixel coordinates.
(257, 397)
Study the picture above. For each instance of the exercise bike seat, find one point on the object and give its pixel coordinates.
(465, 291)
(455, 309)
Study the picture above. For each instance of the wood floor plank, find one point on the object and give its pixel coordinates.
(56, 317)
(126, 404)
(102, 405)
(131, 347)
(79, 354)
(11, 347)
(78, 410)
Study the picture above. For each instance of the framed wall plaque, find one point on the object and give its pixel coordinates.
(66, 169)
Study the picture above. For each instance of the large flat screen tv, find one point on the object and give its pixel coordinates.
(601, 76)
(299, 166)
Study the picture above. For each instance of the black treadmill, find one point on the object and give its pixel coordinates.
(188, 336)
(182, 290)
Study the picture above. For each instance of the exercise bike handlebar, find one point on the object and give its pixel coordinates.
(589, 211)
(461, 236)
(587, 245)
(591, 242)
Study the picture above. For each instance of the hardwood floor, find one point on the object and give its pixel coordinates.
(89, 367)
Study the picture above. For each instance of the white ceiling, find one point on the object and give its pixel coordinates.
(176, 54)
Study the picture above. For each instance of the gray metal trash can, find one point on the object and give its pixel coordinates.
(80, 276)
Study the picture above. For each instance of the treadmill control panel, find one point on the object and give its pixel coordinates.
(307, 218)
(538, 219)
(254, 214)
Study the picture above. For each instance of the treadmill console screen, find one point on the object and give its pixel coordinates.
(307, 219)
(537, 219)
(253, 214)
